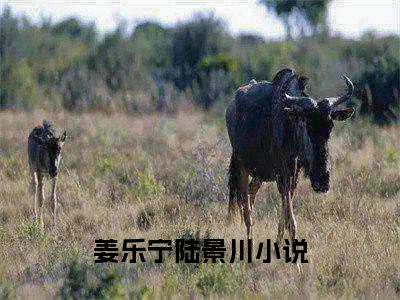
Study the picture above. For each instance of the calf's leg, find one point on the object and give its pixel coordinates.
(41, 199)
(54, 200)
(34, 189)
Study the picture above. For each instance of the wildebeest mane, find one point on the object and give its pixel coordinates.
(46, 131)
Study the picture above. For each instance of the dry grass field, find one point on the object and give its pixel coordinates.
(156, 177)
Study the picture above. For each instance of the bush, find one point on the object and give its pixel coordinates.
(191, 43)
(145, 185)
(221, 279)
(18, 86)
(378, 77)
(7, 292)
(83, 282)
(113, 60)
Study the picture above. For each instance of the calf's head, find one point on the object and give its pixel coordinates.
(318, 120)
(53, 146)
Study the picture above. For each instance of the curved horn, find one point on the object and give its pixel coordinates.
(302, 103)
(339, 100)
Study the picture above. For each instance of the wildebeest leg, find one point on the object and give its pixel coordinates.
(288, 219)
(282, 220)
(254, 186)
(234, 177)
(283, 187)
(238, 193)
(41, 198)
(292, 224)
(291, 221)
(244, 200)
(54, 200)
(34, 189)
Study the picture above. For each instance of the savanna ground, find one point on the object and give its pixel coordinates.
(165, 177)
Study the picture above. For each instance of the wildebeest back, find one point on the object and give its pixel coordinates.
(255, 97)
(38, 158)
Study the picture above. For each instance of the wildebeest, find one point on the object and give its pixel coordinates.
(276, 129)
(44, 154)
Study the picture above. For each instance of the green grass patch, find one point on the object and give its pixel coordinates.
(81, 282)
(32, 231)
(221, 279)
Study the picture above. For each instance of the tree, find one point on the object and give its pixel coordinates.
(193, 41)
(378, 77)
(10, 38)
(303, 16)
(75, 29)
(113, 60)
(151, 43)
(18, 86)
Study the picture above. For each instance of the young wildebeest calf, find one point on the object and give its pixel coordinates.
(44, 151)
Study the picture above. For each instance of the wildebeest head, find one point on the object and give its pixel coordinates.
(317, 118)
(53, 146)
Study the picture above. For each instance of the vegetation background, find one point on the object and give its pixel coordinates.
(149, 156)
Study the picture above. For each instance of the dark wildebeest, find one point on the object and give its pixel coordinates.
(44, 152)
(276, 130)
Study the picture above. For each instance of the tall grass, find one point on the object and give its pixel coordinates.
(164, 177)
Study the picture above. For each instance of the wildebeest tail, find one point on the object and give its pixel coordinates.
(233, 183)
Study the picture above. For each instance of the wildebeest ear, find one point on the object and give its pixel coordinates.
(342, 114)
(64, 137)
(303, 81)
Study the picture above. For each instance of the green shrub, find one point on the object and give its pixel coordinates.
(221, 61)
(105, 163)
(332, 281)
(145, 185)
(171, 282)
(392, 154)
(142, 292)
(76, 284)
(221, 279)
(18, 86)
(192, 234)
(396, 283)
(110, 286)
(32, 231)
(83, 282)
(7, 291)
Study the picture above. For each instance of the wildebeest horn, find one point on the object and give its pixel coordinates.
(339, 100)
(299, 103)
